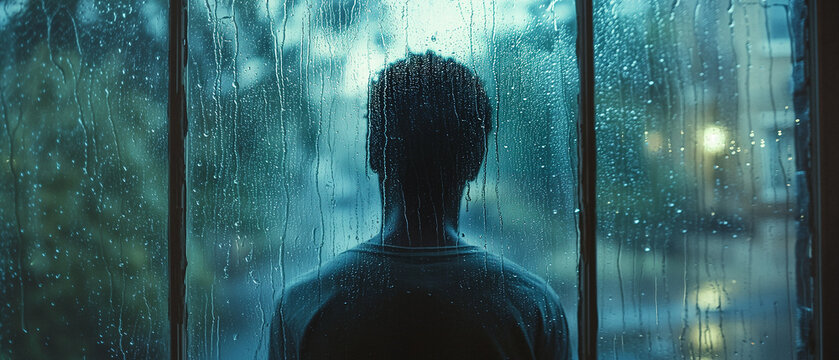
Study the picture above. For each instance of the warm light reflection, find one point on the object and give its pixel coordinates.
(708, 335)
(714, 139)
(709, 338)
(710, 297)
(654, 141)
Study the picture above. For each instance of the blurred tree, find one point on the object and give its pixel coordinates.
(83, 184)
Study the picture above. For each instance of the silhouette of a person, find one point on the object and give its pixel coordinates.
(417, 290)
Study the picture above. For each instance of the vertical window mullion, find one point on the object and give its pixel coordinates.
(803, 76)
(587, 152)
(177, 178)
(823, 50)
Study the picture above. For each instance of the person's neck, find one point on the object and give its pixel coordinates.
(419, 218)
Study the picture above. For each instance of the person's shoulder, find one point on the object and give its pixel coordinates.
(522, 280)
(301, 283)
(315, 279)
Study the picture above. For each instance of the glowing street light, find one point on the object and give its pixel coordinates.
(654, 141)
(713, 139)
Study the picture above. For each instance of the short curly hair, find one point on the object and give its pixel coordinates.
(426, 111)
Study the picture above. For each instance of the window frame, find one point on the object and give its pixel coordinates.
(825, 156)
(177, 178)
(821, 51)
(587, 317)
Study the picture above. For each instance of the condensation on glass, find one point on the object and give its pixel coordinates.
(697, 194)
(277, 176)
(83, 179)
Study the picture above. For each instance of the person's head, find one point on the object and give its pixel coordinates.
(429, 118)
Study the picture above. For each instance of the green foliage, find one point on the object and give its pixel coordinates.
(83, 203)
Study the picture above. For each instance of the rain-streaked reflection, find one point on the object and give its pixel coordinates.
(698, 201)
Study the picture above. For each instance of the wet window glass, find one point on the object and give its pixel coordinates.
(699, 200)
(83, 179)
(278, 176)
(702, 130)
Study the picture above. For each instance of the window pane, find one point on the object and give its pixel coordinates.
(278, 176)
(83, 179)
(698, 198)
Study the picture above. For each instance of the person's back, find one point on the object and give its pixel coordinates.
(386, 302)
(416, 290)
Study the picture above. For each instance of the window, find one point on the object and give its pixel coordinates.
(698, 205)
(83, 182)
(704, 186)
(285, 84)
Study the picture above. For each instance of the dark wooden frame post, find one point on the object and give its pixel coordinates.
(587, 324)
(824, 52)
(177, 178)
